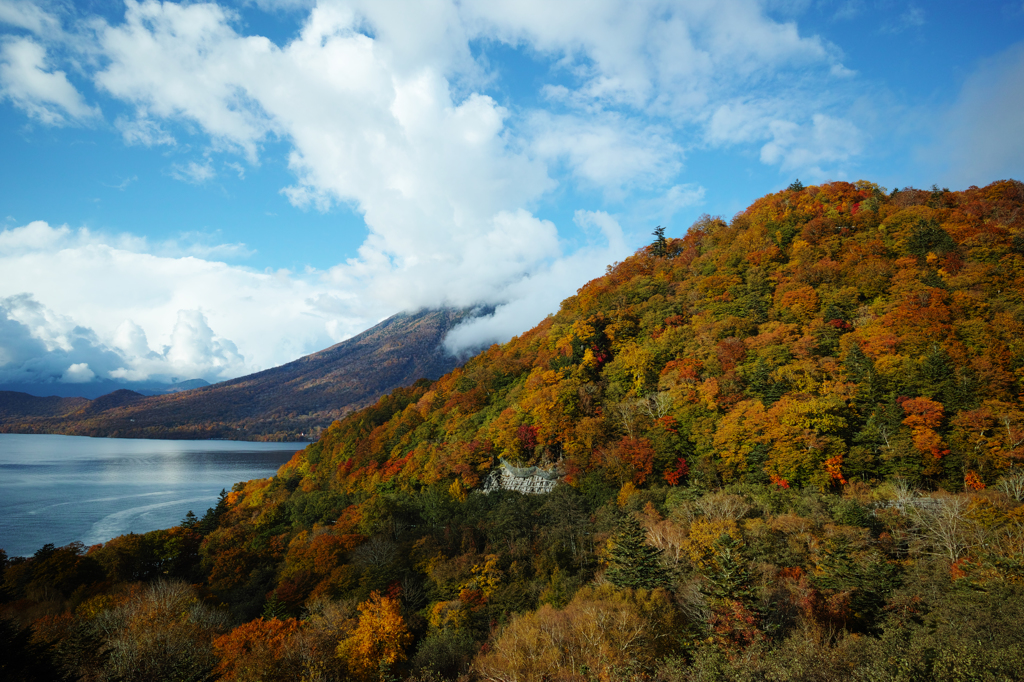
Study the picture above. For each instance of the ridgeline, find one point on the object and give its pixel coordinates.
(293, 402)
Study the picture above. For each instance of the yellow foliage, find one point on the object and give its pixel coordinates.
(602, 631)
(457, 490)
(487, 575)
(448, 614)
(93, 606)
(703, 534)
(379, 639)
(627, 491)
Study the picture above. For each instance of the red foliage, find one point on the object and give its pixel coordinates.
(682, 469)
(527, 435)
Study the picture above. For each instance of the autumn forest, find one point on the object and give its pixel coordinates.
(788, 446)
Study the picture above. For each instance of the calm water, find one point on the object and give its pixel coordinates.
(64, 488)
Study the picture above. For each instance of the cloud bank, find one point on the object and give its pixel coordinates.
(395, 111)
(149, 316)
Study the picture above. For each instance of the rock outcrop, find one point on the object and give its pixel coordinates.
(526, 480)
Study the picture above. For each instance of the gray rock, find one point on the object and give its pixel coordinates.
(526, 480)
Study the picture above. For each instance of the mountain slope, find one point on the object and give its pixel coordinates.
(15, 405)
(827, 333)
(743, 419)
(285, 402)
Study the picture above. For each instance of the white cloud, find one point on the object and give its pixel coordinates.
(609, 151)
(78, 373)
(981, 138)
(44, 95)
(28, 16)
(132, 314)
(143, 131)
(529, 298)
(194, 345)
(667, 56)
(385, 110)
(826, 140)
(391, 124)
(193, 172)
(38, 345)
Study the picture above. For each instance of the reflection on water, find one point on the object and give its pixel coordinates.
(60, 489)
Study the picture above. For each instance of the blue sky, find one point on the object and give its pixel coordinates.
(203, 190)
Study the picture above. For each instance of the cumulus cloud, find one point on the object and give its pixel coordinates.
(78, 373)
(671, 56)
(381, 111)
(544, 288)
(386, 110)
(608, 152)
(150, 315)
(38, 345)
(44, 95)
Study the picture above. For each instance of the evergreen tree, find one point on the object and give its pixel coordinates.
(275, 608)
(190, 520)
(870, 385)
(21, 658)
(211, 518)
(728, 577)
(868, 583)
(634, 563)
(936, 374)
(660, 244)
(761, 384)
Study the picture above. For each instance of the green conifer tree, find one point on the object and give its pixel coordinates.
(728, 576)
(634, 563)
(660, 243)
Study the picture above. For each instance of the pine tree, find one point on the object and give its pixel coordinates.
(211, 518)
(660, 243)
(190, 520)
(634, 563)
(275, 608)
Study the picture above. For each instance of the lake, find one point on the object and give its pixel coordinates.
(59, 489)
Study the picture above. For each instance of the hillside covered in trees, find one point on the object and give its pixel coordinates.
(789, 447)
(292, 402)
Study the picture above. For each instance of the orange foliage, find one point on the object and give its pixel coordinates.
(258, 650)
(924, 415)
(379, 640)
(973, 481)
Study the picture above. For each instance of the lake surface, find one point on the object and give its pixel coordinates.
(60, 489)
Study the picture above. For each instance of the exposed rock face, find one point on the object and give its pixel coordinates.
(526, 480)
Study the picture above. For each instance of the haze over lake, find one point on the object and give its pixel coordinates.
(59, 489)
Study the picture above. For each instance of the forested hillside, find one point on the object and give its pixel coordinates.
(292, 402)
(789, 448)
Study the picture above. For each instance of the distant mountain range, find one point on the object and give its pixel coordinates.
(292, 402)
(98, 387)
